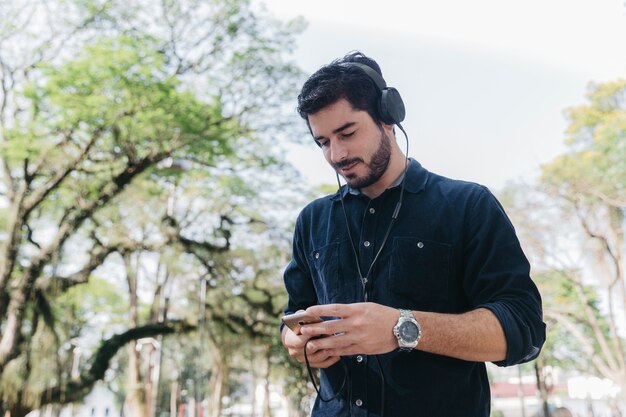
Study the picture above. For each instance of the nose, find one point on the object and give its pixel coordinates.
(338, 151)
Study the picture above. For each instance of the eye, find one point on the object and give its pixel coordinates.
(348, 134)
(323, 143)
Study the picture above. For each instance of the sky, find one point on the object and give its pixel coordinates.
(485, 82)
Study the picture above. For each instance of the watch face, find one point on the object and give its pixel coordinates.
(409, 331)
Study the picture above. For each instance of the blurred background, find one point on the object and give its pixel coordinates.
(153, 166)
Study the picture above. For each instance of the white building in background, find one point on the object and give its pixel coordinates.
(278, 404)
(515, 395)
(99, 403)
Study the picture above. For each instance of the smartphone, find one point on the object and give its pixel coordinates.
(298, 319)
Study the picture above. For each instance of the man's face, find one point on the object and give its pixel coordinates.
(353, 144)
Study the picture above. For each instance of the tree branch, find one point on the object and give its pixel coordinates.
(582, 339)
(616, 260)
(603, 239)
(191, 246)
(5, 85)
(17, 304)
(72, 391)
(37, 196)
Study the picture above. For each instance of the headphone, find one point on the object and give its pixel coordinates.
(390, 104)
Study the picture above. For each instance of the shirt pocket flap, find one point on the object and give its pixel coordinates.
(420, 271)
(325, 272)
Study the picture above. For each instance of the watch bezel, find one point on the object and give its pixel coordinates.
(406, 316)
(409, 323)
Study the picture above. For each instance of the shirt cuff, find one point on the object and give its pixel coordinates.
(521, 346)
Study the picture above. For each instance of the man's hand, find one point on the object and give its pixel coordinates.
(294, 343)
(360, 328)
(367, 328)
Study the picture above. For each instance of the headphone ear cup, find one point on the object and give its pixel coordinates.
(391, 107)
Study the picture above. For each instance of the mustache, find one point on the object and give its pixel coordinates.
(347, 162)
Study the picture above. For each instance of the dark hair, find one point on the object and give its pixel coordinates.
(339, 80)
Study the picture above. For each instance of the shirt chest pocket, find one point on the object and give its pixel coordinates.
(331, 285)
(420, 272)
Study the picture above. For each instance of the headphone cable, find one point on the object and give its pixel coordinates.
(346, 377)
(364, 281)
(394, 216)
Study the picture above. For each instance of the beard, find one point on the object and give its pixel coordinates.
(376, 167)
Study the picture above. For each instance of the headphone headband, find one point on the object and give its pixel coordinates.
(371, 72)
(390, 105)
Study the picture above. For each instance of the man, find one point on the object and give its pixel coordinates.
(423, 276)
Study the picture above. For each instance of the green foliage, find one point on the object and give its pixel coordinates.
(141, 130)
(120, 90)
(560, 288)
(83, 308)
(563, 295)
(595, 167)
(77, 312)
(12, 381)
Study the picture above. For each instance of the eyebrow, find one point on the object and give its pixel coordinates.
(339, 129)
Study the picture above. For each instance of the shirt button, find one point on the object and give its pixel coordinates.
(372, 210)
(359, 358)
(317, 255)
(366, 243)
(420, 245)
(358, 402)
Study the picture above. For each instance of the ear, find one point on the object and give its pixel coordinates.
(389, 129)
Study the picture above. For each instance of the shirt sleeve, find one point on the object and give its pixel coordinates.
(497, 277)
(297, 277)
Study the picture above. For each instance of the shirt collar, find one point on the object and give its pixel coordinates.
(416, 179)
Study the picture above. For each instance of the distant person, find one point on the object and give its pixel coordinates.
(423, 275)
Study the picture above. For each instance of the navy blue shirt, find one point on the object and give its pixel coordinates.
(451, 250)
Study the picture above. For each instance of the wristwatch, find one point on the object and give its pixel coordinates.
(407, 330)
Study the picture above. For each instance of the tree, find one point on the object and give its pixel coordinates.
(591, 182)
(573, 226)
(106, 100)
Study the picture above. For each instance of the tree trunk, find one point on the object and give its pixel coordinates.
(173, 397)
(150, 380)
(217, 385)
(255, 380)
(18, 411)
(136, 398)
(267, 410)
(542, 386)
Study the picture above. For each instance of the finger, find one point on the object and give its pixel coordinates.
(296, 341)
(315, 352)
(330, 327)
(331, 342)
(329, 310)
(316, 356)
(327, 363)
(349, 350)
(326, 328)
(319, 356)
(297, 354)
